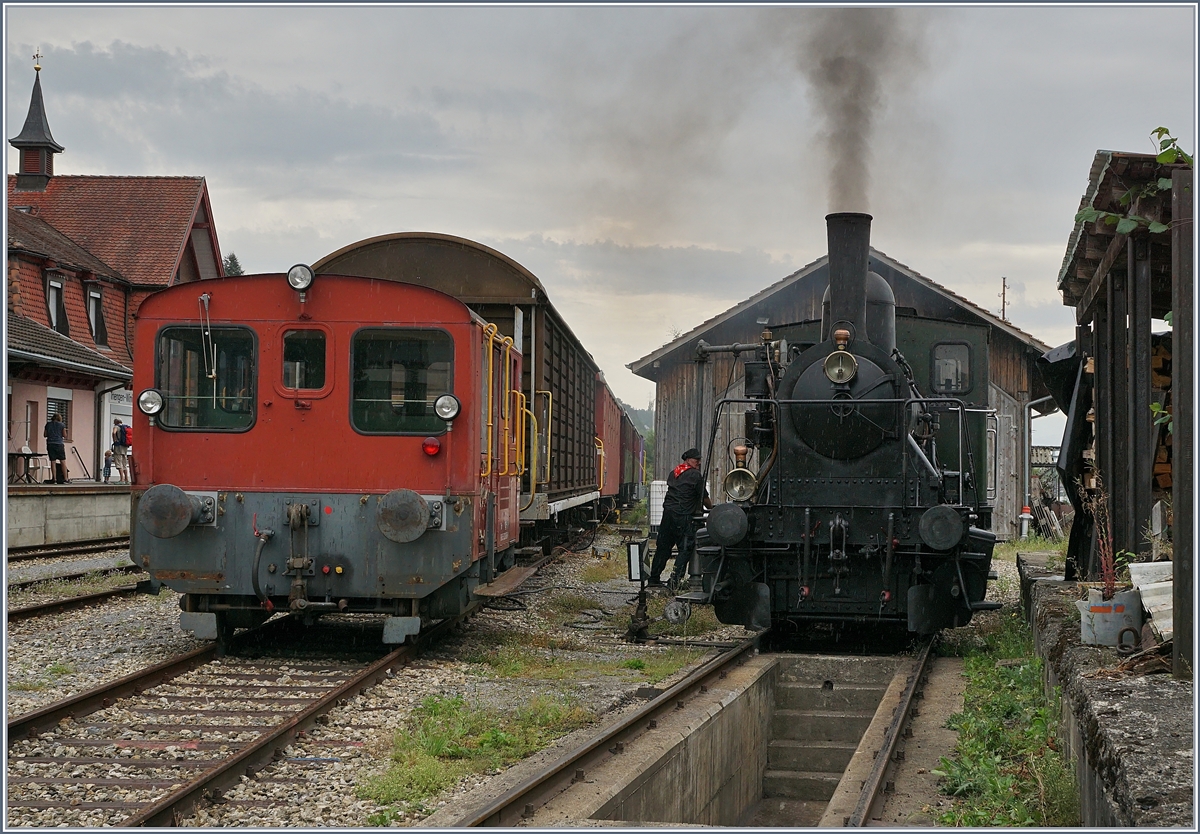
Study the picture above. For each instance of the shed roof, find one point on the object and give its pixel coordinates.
(700, 330)
(31, 234)
(138, 225)
(31, 341)
(1093, 247)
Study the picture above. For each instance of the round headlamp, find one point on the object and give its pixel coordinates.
(739, 484)
(150, 401)
(446, 406)
(300, 277)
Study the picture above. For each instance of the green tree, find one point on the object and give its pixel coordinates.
(232, 265)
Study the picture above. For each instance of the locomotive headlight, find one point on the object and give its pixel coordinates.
(841, 366)
(739, 484)
(446, 406)
(150, 401)
(300, 277)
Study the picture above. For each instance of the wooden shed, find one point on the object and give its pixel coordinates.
(687, 389)
(1119, 277)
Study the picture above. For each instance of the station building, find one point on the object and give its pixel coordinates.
(83, 251)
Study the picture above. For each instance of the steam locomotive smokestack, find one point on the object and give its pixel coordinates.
(849, 245)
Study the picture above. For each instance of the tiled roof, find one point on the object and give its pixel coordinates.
(32, 234)
(29, 340)
(138, 225)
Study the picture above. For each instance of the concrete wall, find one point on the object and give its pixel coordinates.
(42, 515)
(712, 773)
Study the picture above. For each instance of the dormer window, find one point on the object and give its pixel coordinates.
(56, 304)
(95, 311)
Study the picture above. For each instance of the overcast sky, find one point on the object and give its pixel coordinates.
(653, 166)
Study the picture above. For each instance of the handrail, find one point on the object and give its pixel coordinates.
(489, 331)
(549, 430)
(533, 465)
(521, 435)
(603, 457)
(505, 406)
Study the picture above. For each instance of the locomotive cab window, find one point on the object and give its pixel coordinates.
(304, 359)
(951, 372)
(206, 377)
(398, 376)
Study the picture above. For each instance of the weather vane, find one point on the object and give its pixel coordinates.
(37, 56)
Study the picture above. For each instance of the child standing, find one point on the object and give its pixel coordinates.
(108, 465)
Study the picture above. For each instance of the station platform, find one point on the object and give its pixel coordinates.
(49, 514)
(1128, 724)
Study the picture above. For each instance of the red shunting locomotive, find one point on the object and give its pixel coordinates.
(324, 444)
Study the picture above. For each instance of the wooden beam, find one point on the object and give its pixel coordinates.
(1183, 401)
(1083, 311)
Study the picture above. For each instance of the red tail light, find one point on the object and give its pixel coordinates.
(431, 446)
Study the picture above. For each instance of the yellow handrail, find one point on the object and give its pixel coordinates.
(521, 435)
(533, 467)
(549, 431)
(504, 404)
(600, 478)
(490, 332)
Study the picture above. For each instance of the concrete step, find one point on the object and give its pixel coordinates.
(821, 725)
(841, 697)
(841, 670)
(800, 784)
(822, 756)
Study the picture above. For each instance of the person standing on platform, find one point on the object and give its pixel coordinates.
(56, 447)
(120, 449)
(686, 494)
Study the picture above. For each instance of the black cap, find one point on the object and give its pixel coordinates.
(692, 453)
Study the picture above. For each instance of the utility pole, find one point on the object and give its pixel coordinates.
(1003, 298)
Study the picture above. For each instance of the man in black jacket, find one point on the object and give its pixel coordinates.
(685, 496)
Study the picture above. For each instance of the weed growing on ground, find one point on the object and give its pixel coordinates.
(27, 685)
(446, 739)
(566, 608)
(57, 669)
(1007, 551)
(1007, 767)
(604, 570)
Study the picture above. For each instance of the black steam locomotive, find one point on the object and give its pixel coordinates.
(854, 495)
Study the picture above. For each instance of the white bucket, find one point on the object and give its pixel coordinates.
(1102, 621)
(658, 494)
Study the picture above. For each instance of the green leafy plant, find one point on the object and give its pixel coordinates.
(1163, 417)
(1169, 154)
(1007, 767)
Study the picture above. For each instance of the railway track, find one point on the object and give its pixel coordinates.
(24, 554)
(150, 747)
(71, 577)
(58, 606)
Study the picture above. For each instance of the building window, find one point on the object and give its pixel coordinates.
(96, 317)
(57, 307)
(62, 409)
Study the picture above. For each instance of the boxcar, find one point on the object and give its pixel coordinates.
(558, 378)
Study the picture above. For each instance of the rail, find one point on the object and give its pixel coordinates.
(28, 612)
(50, 551)
(874, 784)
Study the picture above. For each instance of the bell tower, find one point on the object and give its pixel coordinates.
(35, 144)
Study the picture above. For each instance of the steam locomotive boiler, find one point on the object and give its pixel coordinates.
(854, 495)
